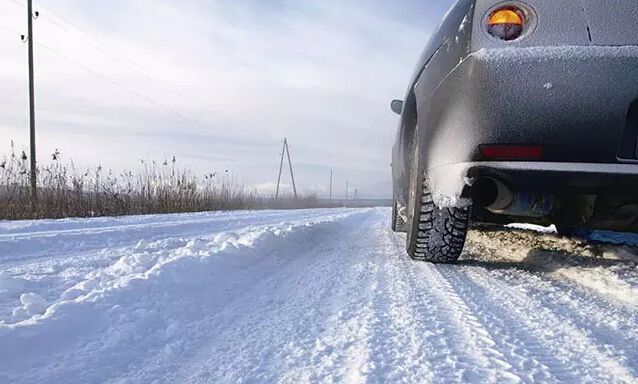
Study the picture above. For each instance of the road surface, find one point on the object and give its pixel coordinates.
(316, 296)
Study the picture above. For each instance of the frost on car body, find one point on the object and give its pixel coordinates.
(535, 103)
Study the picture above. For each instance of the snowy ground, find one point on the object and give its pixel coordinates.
(307, 296)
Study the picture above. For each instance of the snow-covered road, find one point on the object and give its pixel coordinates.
(307, 296)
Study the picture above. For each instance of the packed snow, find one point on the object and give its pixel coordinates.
(311, 296)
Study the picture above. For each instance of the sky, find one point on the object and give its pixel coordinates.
(218, 84)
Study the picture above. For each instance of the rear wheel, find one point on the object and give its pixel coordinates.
(434, 234)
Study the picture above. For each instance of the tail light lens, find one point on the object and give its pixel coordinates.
(506, 23)
(512, 152)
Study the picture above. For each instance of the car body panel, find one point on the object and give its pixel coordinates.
(453, 37)
(612, 22)
(529, 96)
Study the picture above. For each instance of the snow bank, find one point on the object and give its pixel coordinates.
(139, 297)
(32, 304)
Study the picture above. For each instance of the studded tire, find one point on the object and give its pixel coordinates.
(435, 234)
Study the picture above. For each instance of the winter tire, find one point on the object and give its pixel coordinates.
(434, 234)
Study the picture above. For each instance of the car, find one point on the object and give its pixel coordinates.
(520, 112)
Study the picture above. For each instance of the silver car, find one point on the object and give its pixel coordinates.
(519, 112)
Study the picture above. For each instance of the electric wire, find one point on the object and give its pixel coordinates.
(9, 29)
(150, 101)
(97, 44)
(18, 3)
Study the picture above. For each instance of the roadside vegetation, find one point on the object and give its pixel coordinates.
(155, 187)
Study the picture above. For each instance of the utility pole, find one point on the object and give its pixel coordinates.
(34, 192)
(281, 167)
(292, 175)
(285, 151)
(331, 186)
(347, 193)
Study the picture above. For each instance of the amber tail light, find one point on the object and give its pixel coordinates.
(507, 23)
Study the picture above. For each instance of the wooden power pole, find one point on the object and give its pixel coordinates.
(34, 184)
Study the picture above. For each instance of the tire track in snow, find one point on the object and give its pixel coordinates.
(570, 344)
(401, 351)
(482, 362)
(463, 350)
(614, 328)
(526, 353)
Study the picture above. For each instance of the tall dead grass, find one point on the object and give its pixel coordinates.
(156, 187)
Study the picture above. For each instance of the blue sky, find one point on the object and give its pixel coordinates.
(218, 84)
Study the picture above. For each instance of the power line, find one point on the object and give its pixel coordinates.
(115, 83)
(131, 65)
(9, 29)
(49, 20)
(119, 85)
(98, 45)
(18, 3)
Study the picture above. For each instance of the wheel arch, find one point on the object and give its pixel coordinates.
(409, 122)
(405, 143)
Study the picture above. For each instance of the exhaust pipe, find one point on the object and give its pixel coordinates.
(498, 198)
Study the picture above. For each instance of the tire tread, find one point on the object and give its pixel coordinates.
(440, 234)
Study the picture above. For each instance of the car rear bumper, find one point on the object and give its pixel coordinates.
(448, 182)
(573, 101)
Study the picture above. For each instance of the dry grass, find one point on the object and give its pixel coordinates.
(156, 187)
